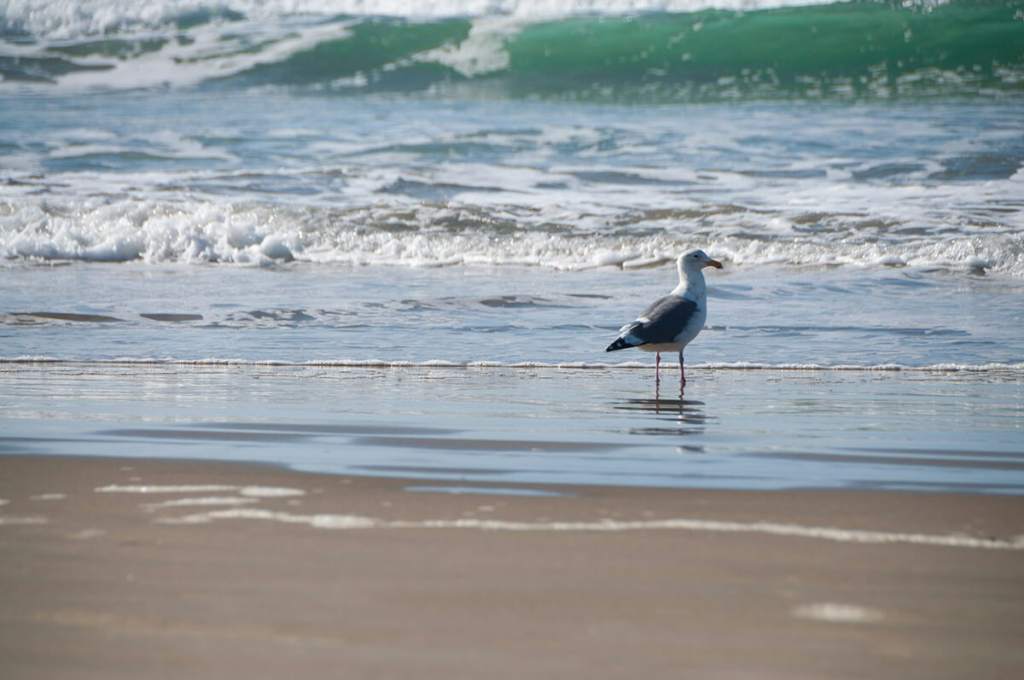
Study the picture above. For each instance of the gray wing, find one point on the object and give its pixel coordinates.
(666, 318)
(661, 322)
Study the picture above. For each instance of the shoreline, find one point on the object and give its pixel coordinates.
(218, 569)
(1012, 368)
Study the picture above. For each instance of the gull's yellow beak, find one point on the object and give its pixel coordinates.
(714, 263)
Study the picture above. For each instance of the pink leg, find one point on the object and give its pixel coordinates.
(682, 373)
(657, 367)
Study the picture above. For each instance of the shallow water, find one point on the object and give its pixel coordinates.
(767, 429)
(345, 315)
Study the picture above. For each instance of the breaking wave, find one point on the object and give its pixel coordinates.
(593, 50)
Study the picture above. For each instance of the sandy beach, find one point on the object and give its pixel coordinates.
(116, 568)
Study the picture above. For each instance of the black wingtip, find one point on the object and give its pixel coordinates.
(618, 344)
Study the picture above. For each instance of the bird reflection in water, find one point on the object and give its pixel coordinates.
(686, 416)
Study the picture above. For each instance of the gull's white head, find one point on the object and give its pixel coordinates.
(695, 260)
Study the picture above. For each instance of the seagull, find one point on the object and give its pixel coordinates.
(669, 324)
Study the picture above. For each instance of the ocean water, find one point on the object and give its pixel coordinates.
(417, 216)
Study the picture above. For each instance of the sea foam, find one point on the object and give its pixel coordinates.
(260, 235)
(355, 522)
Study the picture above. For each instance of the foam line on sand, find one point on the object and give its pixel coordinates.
(328, 521)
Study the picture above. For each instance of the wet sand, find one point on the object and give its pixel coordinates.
(118, 568)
